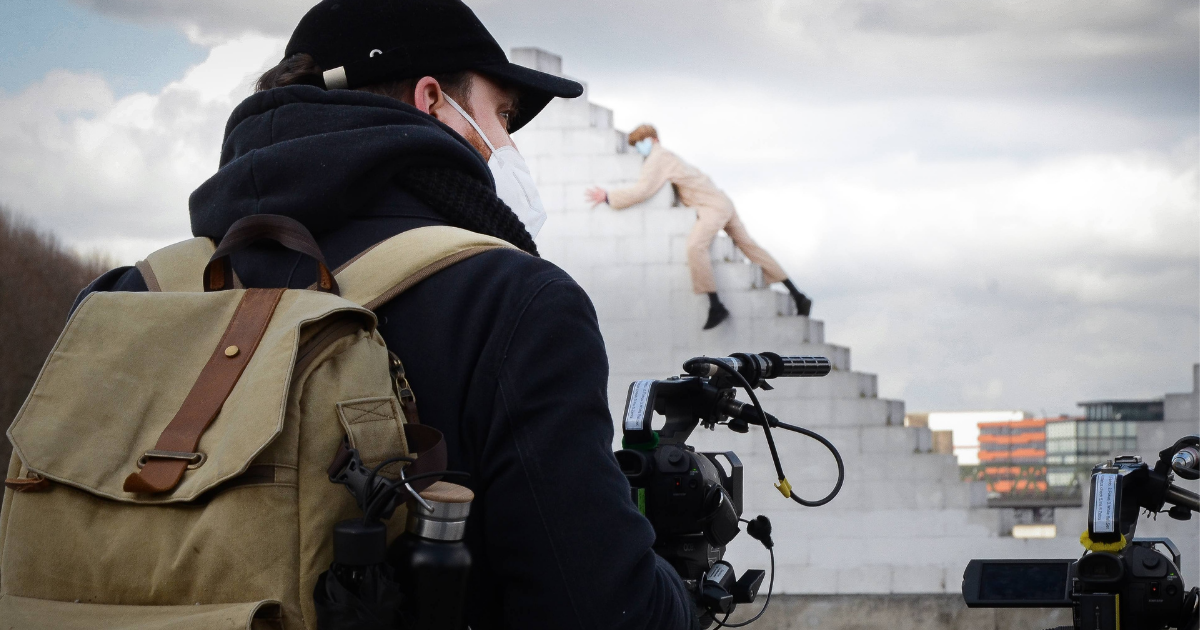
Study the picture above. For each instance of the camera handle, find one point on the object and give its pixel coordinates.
(735, 475)
(685, 402)
(1151, 541)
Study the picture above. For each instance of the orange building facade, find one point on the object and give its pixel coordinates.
(1012, 459)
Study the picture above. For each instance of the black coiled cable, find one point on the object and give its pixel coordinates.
(767, 422)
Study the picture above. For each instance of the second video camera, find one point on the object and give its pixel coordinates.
(1121, 582)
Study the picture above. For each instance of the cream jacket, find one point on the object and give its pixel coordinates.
(662, 166)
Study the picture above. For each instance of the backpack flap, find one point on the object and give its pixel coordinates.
(128, 365)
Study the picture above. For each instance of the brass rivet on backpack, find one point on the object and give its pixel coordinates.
(231, 351)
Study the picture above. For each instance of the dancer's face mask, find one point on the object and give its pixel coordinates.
(514, 184)
(643, 146)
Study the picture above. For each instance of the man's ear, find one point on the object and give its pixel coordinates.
(427, 96)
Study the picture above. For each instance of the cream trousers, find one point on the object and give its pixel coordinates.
(709, 221)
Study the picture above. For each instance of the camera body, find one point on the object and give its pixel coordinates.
(1121, 581)
(693, 499)
(1137, 585)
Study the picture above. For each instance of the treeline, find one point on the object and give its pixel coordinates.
(39, 279)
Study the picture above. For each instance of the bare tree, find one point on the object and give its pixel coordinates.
(39, 280)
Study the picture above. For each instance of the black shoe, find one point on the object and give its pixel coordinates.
(803, 304)
(717, 313)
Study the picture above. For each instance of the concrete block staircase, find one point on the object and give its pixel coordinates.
(903, 523)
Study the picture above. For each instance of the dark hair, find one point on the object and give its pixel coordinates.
(302, 69)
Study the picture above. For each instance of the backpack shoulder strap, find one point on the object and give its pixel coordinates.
(396, 264)
(178, 267)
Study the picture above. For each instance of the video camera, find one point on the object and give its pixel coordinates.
(693, 500)
(1121, 582)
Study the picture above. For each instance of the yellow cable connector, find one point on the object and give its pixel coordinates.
(784, 488)
(1092, 545)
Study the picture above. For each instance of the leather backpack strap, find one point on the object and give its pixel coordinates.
(177, 267)
(162, 468)
(218, 273)
(396, 264)
(197, 264)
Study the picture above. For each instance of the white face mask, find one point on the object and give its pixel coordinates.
(643, 146)
(514, 183)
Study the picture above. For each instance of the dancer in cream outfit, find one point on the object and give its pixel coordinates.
(714, 212)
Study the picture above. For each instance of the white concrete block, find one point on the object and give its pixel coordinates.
(865, 579)
(576, 169)
(678, 249)
(597, 143)
(785, 306)
(891, 439)
(931, 495)
(636, 322)
(538, 143)
(536, 58)
(806, 580)
(554, 116)
(918, 579)
(622, 273)
(630, 164)
(601, 223)
(817, 331)
(553, 195)
(573, 112)
(601, 117)
(575, 201)
(723, 250)
(646, 248)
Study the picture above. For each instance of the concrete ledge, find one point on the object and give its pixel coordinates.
(892, 612)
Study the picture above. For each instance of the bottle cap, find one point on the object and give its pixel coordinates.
(447, 520)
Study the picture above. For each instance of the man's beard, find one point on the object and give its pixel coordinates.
(476, 141)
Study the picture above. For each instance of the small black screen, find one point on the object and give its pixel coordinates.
(1029, 581)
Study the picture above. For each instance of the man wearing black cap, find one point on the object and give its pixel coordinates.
(386, 116)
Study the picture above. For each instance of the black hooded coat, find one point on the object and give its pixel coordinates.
(503, 351)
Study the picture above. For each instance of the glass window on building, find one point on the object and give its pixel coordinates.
(1127, 410)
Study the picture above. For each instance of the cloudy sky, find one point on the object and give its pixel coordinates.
(993, 202)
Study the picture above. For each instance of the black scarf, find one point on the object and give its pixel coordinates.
(466, 203)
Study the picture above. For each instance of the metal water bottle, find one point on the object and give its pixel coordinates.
(431, 561)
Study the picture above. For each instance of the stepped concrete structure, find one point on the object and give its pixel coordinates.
(904, 522)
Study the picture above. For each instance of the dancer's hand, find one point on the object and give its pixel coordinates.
(596, 195)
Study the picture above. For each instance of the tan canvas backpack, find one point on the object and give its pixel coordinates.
(169, 467)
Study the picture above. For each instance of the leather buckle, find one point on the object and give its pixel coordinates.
(194, 460)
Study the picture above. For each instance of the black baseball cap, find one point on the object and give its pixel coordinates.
(361, 42)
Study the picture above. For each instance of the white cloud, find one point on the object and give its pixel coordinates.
(115, 174)
(1071, 277)
(1126, 53)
